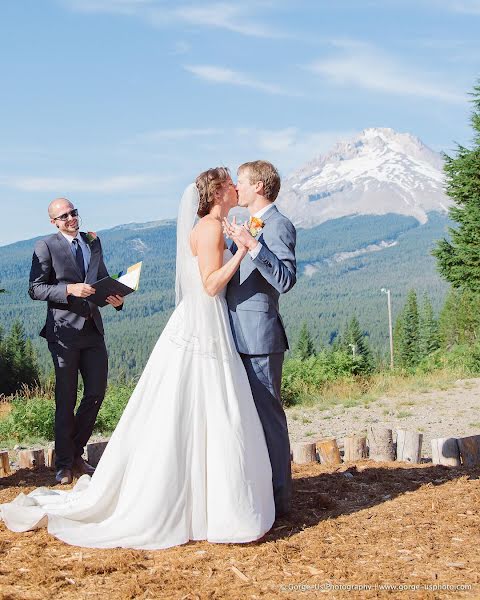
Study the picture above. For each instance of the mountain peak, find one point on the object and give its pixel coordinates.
(379, 171)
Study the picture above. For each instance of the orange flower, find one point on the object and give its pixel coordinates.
(255, 225)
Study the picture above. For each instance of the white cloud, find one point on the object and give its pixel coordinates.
(222, 75)
(176, 134)
(225, 16)
(65, 185)
(221, 15)
(290, 147)
(363, 66)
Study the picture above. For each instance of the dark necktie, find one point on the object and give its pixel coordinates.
(79, 258)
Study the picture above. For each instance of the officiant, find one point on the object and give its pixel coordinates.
(64, 265)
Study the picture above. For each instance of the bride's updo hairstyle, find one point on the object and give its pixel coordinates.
(207, 184)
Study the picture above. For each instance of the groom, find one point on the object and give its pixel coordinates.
(268, 270)
(63, 267)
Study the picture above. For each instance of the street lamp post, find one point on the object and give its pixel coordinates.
(390, 330)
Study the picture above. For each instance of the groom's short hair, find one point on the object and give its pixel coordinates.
(262, 170)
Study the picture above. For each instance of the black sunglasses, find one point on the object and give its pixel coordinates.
(64, 217)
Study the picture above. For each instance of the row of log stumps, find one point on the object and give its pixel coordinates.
(32, 459)
(378, 445)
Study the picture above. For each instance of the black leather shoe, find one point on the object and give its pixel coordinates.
(81, 467)
(64, 476)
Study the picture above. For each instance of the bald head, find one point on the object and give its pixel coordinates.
(59, 206)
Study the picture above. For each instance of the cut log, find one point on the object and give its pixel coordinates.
(409, 446)
(95, 451)
(328, 452)
(50, 457)
(4, 464)
(445, 452)
(470, 450)
(31, 459)
(354, 448)
(304, 452)
(380, 444)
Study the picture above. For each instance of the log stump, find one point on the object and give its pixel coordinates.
(31, 459)
(445, 451)
(95, 451)
(380, 444)
(470, 450)
(328, 452)
(354, 448)
(50, 457)
(4, 464)
(304, 452)
(409, 446)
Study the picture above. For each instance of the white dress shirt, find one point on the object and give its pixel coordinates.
(85, 248)
(254, 253)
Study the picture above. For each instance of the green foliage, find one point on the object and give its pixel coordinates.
(459, 321)
(353, 340)
(459, 258)
(18, 364)
(407, 334)
(112, 407)
(303, 378)
(429, 339)
(32, 417)
(305, 346)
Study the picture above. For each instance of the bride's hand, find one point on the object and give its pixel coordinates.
(235, 232)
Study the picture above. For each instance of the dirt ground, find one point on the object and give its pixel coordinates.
(369, 524)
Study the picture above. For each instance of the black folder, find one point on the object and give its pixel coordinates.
(108, 287)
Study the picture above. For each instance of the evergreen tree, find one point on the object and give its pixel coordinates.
(353, 341)
(18, 365)
(458, 259)
(459, 321)
(428, 325)
(407, 331)
(305, 346)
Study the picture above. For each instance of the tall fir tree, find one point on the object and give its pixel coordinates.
(18, 364)
(458, 259)
(353, 340)
(407, 334)
(459, 320)
(305, 346)
(428, 329)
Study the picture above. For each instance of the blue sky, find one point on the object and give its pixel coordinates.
(118, 104)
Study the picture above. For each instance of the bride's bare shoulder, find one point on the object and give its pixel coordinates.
(207, 229)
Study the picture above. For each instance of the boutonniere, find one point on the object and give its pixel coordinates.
(91, 237)
(255, 225)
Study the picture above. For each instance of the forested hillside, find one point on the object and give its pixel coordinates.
(389, 251)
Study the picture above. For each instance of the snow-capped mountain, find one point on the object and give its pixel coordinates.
(378, 172)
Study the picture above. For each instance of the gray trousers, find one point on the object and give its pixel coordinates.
(85, 353)
(265, 376)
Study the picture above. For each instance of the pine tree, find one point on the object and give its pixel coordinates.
(459, 321)
(458, 259)
(428, 329)
(353, 341)
(407, 331)
(305, 346)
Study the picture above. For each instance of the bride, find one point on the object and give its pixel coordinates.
(188, 459)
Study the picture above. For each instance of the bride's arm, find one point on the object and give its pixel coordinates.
(210, 247)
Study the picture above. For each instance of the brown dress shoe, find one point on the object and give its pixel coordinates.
(81, 467)
(64, 476)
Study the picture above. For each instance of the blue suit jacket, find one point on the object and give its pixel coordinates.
(254, 290)
(53, 267)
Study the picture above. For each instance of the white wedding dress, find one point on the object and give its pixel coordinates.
(188, 459)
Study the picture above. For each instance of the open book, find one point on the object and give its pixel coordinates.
(122, 284)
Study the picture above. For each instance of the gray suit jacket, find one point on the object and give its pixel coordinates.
(53, 267)
(254, 290)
